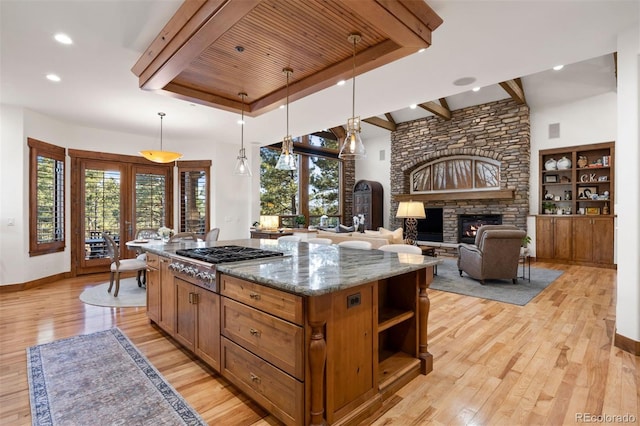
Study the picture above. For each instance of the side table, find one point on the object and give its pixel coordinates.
(525, 261)
(430, 251)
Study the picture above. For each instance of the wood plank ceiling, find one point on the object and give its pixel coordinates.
(210, 51)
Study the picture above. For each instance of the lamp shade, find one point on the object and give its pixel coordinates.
(269, 222)
(161, 156)
(411, 209)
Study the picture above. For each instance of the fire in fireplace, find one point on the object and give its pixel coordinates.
(468, 225)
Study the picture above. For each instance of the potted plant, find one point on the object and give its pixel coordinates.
(525, 241)
(300, 221)
(549, 207)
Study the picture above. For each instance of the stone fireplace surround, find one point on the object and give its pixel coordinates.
(499, 130)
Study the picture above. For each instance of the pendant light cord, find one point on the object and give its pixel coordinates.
(353, 99)
(242, 95)
(288, 72)
(161, 114)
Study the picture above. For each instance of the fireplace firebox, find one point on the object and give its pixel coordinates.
(468, 225)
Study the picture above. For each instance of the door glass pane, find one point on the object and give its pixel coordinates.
(150, 199)
(193, 191)
(102, 210)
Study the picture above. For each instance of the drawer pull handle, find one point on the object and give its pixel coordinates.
(254, 332)
(254, 296)
(254, 378)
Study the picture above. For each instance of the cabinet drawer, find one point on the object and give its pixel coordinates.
(277, 341)
(153, 260)
(279, 303)
(275, 390)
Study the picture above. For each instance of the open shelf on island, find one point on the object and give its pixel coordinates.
(388, 317)
(394, 365)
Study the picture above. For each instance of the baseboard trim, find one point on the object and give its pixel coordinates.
(9, 288)
(627, 344)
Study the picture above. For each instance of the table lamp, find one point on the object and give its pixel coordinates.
(411, 211)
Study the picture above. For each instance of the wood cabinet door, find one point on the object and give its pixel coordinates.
(603, 240)
(167, 297)
(544, 237)
(563, 233)
(582, 239)
(153, 294)
(208, 328)
(186, 303)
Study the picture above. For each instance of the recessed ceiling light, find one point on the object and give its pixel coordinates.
(53, 77)
(240, 122)
(413, 106)
(421, 50)
(464, 81)
(63, 38)
(341, 83)
(281, 106)
(558, 67)
(476, 89)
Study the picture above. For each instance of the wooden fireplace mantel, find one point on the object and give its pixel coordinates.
(501, 194)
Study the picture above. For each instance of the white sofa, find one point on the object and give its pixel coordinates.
(376, 238)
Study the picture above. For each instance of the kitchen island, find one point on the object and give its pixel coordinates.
(320, 335)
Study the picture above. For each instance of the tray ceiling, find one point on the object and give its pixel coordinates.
(210, 51)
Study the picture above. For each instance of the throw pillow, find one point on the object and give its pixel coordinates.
(372, 233)
(341, 229)
(397, 235)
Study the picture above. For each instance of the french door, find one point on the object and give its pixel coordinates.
(116, 195)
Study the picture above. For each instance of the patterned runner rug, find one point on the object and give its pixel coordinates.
(101, 378)
(449, 279)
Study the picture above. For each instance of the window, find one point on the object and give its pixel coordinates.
(46, 198)
(456, 173)
(313, 190)
(194, 196)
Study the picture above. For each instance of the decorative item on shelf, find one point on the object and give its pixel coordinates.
(593, 210)
(559, 211)
(603, 178)
(597, 163)
(352, 147)
(606, 194)
(548, 207)
(606, 159)
(161, 156)
(550, 178)
(565, 179)
(567, 210)
(605, 209)
(411, 211)
(588, 177)
(582, 161)
(287, 160)
(585, 192)
(557, 198)
(548, 195)
(581, 210)
(563, 164)
(551, 164)
(567, 195)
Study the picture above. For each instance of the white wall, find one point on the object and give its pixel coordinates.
(373, 168)
(628, 180)
(230, 194)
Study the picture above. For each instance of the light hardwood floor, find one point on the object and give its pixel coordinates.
(494, 363)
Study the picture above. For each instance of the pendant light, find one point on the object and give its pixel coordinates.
(161, 156)
(287, 160)
(242, 165)
(352, 147)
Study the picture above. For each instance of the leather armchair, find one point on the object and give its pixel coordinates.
(495, 254)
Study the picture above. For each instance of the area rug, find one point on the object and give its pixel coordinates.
(449, 279)
(101, 378)
(129, 295)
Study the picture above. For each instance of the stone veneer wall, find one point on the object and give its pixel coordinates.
(499, 130)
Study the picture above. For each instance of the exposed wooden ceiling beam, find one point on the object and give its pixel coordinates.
(377, 121)
(440, 109)
(515, 90)
(339, 132)
(390, 117)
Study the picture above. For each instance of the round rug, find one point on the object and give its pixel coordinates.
(129, 295)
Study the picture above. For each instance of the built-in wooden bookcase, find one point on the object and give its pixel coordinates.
(576, 220)
(586, 187)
